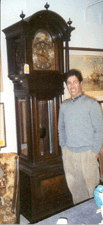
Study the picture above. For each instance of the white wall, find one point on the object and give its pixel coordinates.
(88, 21)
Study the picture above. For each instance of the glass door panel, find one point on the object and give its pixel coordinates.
(46, 126)
(23, 127)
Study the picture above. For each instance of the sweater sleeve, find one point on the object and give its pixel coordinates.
(61, 128)
(97, 124)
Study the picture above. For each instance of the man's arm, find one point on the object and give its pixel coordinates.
(61, 128)
(97, 124)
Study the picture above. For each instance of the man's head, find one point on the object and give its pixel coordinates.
(74, 82)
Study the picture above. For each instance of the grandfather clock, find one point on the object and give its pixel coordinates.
(38, 56)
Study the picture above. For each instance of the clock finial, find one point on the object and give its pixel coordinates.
(46, 6)
(69, 22)
(22, 15)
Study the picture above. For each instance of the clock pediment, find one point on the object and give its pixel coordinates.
(43, 19)
(51, 21)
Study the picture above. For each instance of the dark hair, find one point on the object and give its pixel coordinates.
(74, 72)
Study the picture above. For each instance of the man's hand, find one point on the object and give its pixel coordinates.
(95, 155)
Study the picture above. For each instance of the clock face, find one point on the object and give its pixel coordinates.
(43, 56)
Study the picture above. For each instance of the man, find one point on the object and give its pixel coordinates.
(80, 130)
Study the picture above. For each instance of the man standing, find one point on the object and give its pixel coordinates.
(80, 130)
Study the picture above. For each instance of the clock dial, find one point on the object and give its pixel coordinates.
(43, 51)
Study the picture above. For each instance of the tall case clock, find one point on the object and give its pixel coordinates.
(38, 57)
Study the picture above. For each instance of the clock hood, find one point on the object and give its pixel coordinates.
(43, 19)
(51, 21)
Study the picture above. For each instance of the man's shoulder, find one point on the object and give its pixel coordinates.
(90, 99)
(66, 101)
(91, 102)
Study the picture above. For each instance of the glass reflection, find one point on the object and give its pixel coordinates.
(46, 126)
(23, 129)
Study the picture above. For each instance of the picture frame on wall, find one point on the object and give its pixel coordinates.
(90, 62)
(2, 127)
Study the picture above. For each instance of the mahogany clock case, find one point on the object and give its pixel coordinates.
(37, 43)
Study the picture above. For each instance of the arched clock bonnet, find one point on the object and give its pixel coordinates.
(51, 21)
(37, 42)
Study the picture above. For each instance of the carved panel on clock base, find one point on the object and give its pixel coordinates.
(44, 196)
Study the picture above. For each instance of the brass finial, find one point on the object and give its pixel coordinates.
(69, 22)
(46, 6)
(22, 15)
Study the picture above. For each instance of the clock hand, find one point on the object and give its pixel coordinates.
(39, 54)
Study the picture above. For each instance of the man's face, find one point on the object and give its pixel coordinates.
(74, 86)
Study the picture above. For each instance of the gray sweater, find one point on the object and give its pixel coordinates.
(80, 124)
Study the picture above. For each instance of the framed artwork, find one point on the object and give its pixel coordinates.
(90, 62)
(2, 127)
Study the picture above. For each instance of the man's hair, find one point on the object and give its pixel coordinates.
(74, 72)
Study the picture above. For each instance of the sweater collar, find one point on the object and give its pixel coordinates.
(79, 96)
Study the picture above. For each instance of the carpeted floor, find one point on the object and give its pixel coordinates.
(84, 213)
